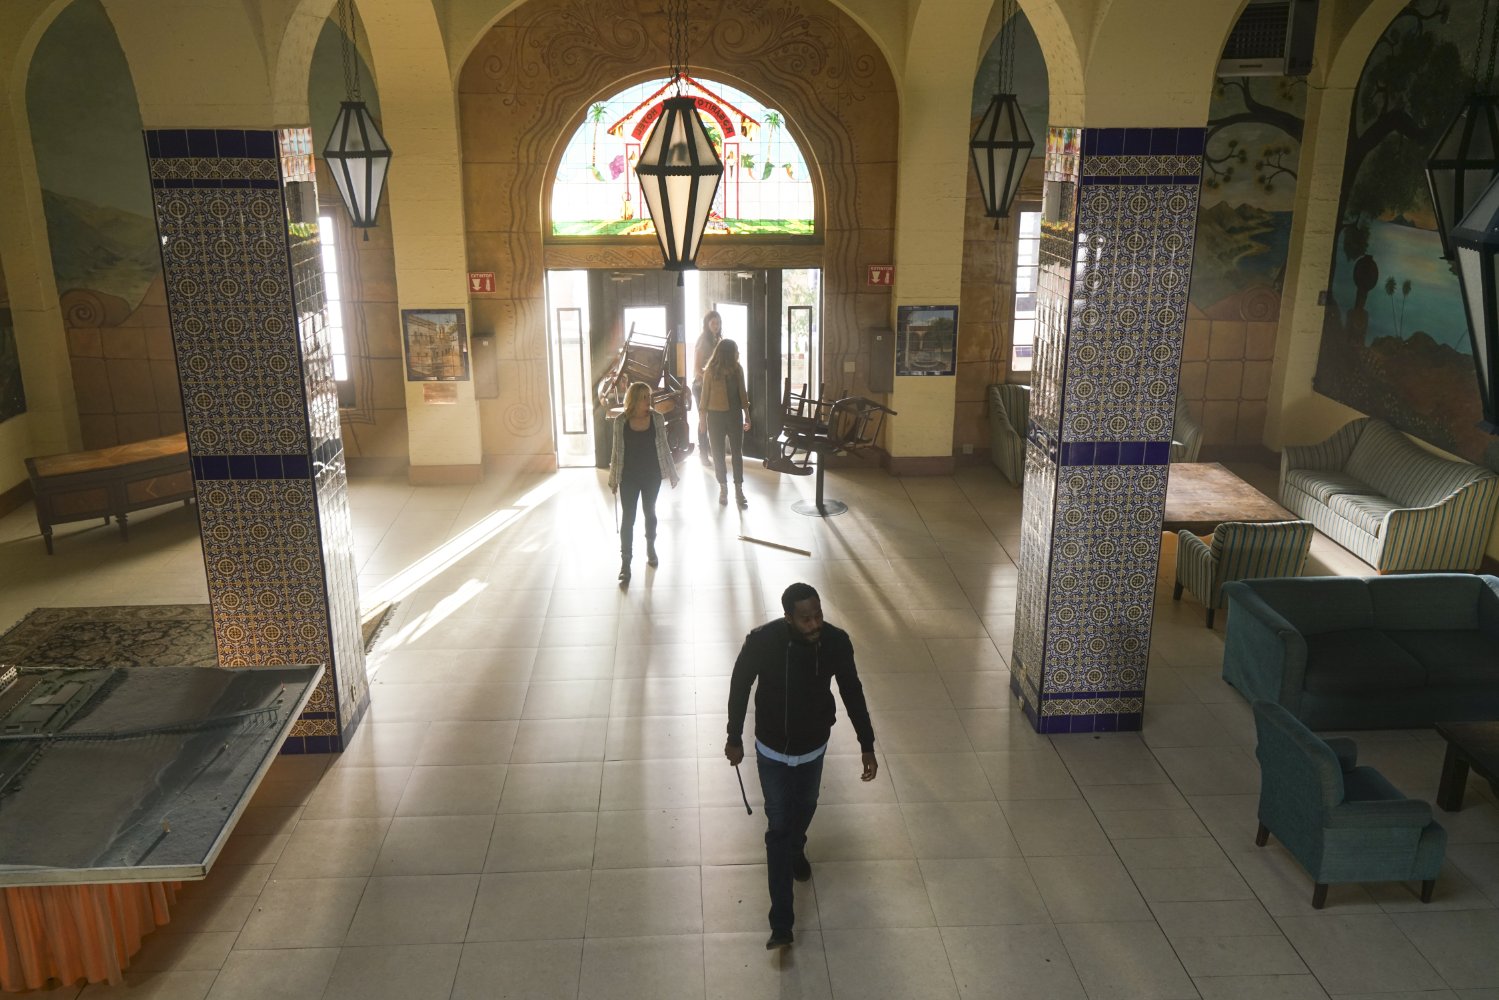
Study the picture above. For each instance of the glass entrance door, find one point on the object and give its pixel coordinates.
(571, 366)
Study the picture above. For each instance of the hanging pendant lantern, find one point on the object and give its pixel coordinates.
(1465, 159)
(679, 173)
(357, 154)
(358, 157)
(679, 170)
(1475, 246)
(1001, 146)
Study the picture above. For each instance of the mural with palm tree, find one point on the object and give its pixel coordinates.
(766, 186)
(596, 115)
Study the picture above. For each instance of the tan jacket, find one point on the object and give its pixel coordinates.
(716, 391)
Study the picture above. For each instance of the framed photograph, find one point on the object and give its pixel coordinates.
(926, 340)
(436, 342)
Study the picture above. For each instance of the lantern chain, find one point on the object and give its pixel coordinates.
(1007, 49)
(349, 50)
(676, 16)
(1487, 25)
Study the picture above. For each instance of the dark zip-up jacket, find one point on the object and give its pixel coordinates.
(794, 709)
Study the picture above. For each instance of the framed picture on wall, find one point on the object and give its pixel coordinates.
(436, 342)
(926, 340)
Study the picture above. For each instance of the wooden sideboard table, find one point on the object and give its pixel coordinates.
(109, 482)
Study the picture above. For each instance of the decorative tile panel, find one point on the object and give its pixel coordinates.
(235, 211)
(1116, 259)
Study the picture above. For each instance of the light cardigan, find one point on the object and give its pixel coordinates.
(617, 454)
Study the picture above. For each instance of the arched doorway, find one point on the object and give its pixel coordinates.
(773, 313)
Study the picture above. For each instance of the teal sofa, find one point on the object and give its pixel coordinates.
(1388, 652)
(1342, 822)
(1392, 503)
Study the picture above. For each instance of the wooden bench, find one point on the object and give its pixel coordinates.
(110, 482)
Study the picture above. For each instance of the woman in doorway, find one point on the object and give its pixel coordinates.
(638, 463)
(701, 352)
(726, 404)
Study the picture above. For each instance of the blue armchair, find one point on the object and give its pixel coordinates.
(1342, 822)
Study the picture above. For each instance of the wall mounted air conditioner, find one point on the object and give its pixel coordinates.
(1271, 38)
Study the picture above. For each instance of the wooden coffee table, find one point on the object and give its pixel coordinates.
(1469, 745)
(1202, 495)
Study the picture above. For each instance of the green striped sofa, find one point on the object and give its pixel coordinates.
(1390, 502)
(1239, 550)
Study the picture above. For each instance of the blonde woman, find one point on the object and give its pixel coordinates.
(639, 461)
(726, 404)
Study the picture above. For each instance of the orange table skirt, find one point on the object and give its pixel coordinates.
(72, 933)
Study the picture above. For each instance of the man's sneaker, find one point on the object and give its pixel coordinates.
(801, 868)
(779, 939)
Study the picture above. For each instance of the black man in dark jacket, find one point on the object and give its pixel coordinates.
(791, 663)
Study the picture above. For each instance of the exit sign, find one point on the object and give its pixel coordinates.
(480, 281)
(881, 274)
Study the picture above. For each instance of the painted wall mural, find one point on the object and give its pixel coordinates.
(765, 188)
(1238, 269)
(86, 133)
(1394, 340)
(12, 394)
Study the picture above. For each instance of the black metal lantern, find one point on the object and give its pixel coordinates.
(679, 172)
(1465, 159)
(358, 157)
(1475, 245)
(357, 154)
(1001, 146)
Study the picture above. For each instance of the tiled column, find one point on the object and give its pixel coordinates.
(237, 215)
(1120, 214)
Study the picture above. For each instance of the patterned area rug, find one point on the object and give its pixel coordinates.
(135, 636)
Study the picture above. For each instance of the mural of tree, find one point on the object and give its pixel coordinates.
(1395, 123)
(1221, 158)
(1408, 361)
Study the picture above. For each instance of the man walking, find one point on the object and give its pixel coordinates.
(791, 662)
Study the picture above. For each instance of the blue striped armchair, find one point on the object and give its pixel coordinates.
(1239, 550)
(1342, 822)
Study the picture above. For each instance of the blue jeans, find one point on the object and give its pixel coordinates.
(790, 801)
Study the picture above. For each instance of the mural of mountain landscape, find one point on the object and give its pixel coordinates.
(102, 248)
(1249, 181)
(1394, 339)
(12, 395)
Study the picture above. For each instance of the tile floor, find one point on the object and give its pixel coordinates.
(536, 805)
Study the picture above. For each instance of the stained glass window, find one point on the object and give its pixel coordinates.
(766, 187)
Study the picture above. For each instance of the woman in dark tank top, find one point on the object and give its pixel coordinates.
(638, 463)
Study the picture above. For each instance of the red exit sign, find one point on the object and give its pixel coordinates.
(480, 281)
(881, 274)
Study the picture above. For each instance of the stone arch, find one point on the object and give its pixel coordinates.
(1137, 75)
(1350, 48)
(1057, 27)
(532, 73)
